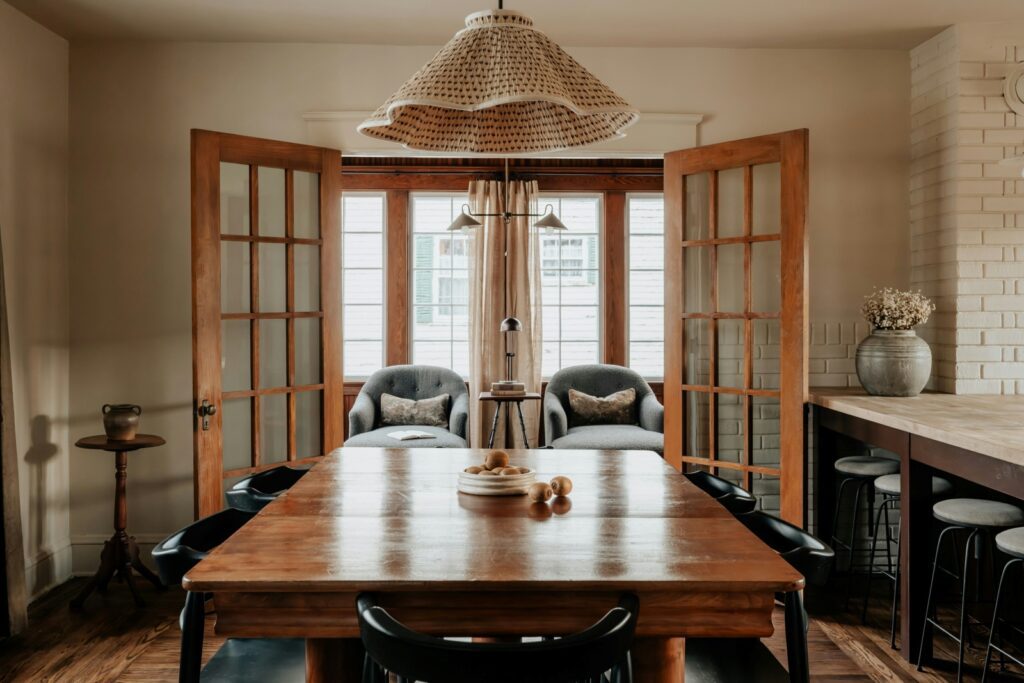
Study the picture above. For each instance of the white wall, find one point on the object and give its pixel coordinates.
(33, 218)
(132, 106)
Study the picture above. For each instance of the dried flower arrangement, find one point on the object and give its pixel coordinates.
(896, 309)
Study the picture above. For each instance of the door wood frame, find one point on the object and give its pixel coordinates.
(209, 149)
(790, 151)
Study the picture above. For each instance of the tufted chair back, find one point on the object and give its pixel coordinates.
(415, 382)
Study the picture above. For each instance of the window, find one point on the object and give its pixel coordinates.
(362, 222)
(645, 225)
(440, 283)
(571, 281)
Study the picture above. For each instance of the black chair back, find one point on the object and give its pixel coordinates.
(253, 493)
(183, 549)
(581, 657)
(807, 554)
(733, 498)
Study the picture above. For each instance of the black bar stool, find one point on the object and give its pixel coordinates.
(889, 488)
(1010, 542)
(254, 492)
(979, 518)
(858, 473)
(583, 657)
(733, 498)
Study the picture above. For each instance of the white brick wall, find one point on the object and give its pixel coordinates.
(967, 211)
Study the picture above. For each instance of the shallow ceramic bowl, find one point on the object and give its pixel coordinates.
(499, 485)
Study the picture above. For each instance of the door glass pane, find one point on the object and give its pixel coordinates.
(234, 199)
(765, 431)
(234, 277)
(730, 202)
(271, 201)
(695, 226)
(697, 352)
(273, 353)
(766, 276)
(273, 428)
(697, 279)
(767, 196)
(729, 439)
(696, 416)
(766, 352)
(307, 204)
(237, 421)
(235, 362)
(307, 351)
(730, 353)
(273, 292)
(307, 424)
(731, 281)
(307, 277)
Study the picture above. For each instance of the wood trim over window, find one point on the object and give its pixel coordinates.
(615, 277)
(396, 278)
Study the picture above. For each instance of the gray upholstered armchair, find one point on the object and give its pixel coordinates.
(415, 382)
(562, 431)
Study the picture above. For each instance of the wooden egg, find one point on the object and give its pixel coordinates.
(474, 469)
(540, 492)
(488, 473)
(562, 486)
(509, 471)
(496, 460)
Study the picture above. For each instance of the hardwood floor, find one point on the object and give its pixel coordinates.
(112, 641)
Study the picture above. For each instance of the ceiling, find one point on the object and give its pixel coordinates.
(897, 24)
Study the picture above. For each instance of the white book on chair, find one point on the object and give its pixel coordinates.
(409, 434)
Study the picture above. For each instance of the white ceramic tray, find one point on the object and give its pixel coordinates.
(496, 485)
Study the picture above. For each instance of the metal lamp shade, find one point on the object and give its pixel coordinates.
(549, 221)
(511, 325)
(500, 87)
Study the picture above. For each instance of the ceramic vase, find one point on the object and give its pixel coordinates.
(894, 363)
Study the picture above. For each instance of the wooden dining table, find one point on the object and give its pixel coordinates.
(447, 563)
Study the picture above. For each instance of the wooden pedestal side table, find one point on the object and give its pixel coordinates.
(507, 401)
(120, 554)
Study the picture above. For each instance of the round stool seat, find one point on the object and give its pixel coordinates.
(1011, 542)
(890, 485)
(866, 466)
(976, 512)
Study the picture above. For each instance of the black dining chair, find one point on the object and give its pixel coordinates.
(748, 659)
(583, 657)
(254, 492)
(277, 660)
(733, 498)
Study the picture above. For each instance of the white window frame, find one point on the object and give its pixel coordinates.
(411, 276)
(544, 199)
(384, 275)
(629, 272)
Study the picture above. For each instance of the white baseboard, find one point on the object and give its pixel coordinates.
(50, 568)
(86, 549)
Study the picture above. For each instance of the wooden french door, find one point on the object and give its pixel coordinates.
(266, 307)
(736, 313)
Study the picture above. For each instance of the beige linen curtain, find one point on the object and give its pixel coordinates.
(498, 288)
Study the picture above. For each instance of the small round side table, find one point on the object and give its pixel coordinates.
(120, 554)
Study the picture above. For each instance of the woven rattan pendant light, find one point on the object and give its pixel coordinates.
(500, 87)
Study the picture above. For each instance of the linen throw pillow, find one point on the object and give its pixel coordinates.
(614, 409)
(430, 412)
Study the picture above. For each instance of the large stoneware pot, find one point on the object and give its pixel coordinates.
(894, 363)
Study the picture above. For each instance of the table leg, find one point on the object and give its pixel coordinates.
(826, 446)
(337, 660)
(915, 556)
(494, 425)
(658, 660)
(522, 425)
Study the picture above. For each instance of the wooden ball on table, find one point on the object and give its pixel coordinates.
(562, 486)
(540, 492)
